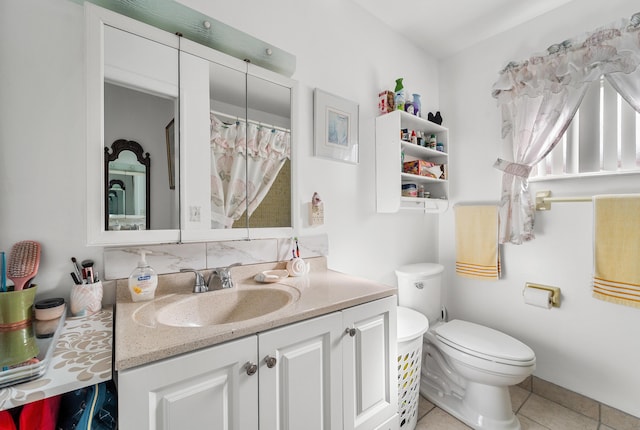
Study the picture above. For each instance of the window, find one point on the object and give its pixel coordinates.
(602, 139)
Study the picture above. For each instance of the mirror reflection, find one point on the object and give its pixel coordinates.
(140, 105)
(227, 140)
(270, 168)
(140, 117)
(250, 151)
(127, 176)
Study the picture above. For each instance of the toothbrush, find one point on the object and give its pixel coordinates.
(297, 249)
(3, 272)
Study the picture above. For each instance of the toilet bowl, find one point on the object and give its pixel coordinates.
(467, 368)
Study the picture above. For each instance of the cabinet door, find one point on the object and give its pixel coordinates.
(369, 367)
(132, 94)
(208, 389)
(303, 387)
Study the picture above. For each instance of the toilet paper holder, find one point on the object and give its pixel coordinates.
(555, 292)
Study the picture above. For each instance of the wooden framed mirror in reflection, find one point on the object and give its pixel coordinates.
(127, 181)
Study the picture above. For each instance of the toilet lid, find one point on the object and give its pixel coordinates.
(483, 341)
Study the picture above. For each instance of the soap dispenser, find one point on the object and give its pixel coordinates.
(143, 281)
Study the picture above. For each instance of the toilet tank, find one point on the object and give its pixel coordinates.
(419, 288)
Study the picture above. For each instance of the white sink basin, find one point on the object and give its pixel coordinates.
(219, 307)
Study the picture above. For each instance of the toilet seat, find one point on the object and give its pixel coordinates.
(485, 343)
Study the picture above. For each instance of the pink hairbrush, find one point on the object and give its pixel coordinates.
(23, 263)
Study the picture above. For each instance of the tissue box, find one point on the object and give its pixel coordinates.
(421, 168)
(386, 102)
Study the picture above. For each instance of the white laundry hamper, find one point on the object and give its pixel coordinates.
(411, 326)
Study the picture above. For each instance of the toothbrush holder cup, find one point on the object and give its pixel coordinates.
(86, 299)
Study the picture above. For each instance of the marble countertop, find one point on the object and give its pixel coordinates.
(322, 291)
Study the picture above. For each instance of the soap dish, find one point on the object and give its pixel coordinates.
(270, 276)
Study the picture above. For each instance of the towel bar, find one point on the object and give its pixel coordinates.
(544, 200)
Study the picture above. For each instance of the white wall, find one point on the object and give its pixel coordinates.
(338, 48)
(587, 345)
(42, 135)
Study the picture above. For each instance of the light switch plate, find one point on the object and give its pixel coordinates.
(194, 213)
(316, 214)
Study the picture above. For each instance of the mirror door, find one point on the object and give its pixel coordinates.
(236, 129)
(213, 107)
(132, 95)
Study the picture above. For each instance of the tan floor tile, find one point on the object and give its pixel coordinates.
(528, 424)
(424, 406)
(518, 397)
(572, 400)
(603, 427)
(618, 419)
(438, 419)
(555, 416)
(526, 384)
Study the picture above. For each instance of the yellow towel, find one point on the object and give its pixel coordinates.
(616, 223)
(477, 254)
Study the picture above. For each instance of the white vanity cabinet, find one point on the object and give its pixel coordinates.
(303, 387)
(392, 149)
(331, 372)
(369, 366)
(205, 389)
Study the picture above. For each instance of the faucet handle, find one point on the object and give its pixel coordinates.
(200, 286)
(224, 274)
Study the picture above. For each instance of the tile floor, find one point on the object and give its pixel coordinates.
(541, 405)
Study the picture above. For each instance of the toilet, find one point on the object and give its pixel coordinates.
(467, 368)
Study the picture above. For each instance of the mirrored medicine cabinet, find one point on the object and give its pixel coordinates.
(218, 130)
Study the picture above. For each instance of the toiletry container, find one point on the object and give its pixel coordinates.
(399, 94)
(417, 105)
(143, 280)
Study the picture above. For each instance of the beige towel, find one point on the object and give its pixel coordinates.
(477, 254)
(616, 222)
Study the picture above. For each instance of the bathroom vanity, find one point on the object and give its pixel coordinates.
(325, 358)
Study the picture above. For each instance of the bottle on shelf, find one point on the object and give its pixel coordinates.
(399, 91)
(417, 105)
(432, 142)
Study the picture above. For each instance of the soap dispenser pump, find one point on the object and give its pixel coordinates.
(143, 281)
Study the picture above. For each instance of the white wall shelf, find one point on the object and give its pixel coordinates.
(389, 157)
(82, 357)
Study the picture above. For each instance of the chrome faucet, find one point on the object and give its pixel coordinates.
(221, 277)
(200, 286)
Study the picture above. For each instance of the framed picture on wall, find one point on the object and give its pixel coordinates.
(170, 135)
(335, 127)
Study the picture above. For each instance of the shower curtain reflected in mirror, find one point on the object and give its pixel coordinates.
(245, 161)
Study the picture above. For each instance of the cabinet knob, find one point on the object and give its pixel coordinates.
(271, 361)
(350, 331)
(251, 368)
